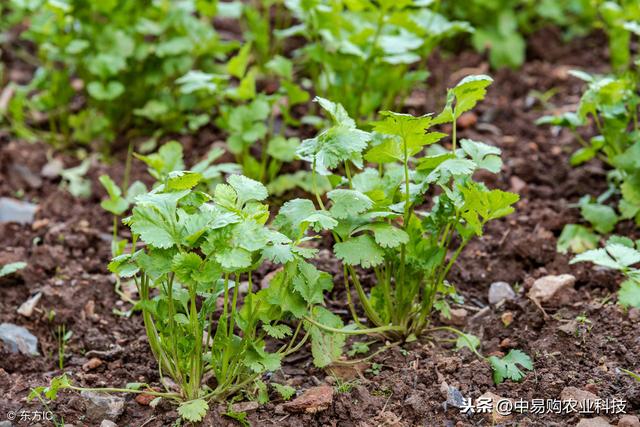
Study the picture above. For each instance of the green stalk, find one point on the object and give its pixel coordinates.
(377, 330)
(368, 64)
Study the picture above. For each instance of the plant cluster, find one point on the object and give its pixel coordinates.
(107, 67)
(364, 53)
(408, 214)
(610, 104)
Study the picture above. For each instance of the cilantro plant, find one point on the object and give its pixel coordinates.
(199, 251)
(620, 253)
(611, 104)
(110, 66)
(362, 52)
(409, 218)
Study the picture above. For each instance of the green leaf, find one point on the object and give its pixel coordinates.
(507, 367)
(234, 259)
(283, 149)
(484, 155)
(348, 203)
(295, 214)
(286, 392)
(11, 268)
(277, 331)
(108, 92)
(169, 158)
(259, 360)
(337, 112)
(326, 347)
(629, 294)
(247, 189)
(469, 341)
(361, 250)
(463, 97)
(186, 267)
(614, 255)
(194, 410)
(182, 180)
(577, 239)
(310, 283)
(237, 65)
(387, 235)
(602, 217)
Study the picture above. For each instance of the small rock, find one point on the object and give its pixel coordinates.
(629, 421)
(494, 415)
(52, 169)
(27, 307)
(593, 422)
(499, 291)
(458, 317)
(454, 396)
(516, 184)
(583, 397)
(245, 406)
(25, 175)
(313, 400)
(91, 364)
(467, 119)
(102, 406)
(6, 424)
(549, 287)
(634, 314)
(18, 339)
(12, 210)
(144, 399)
(107, 423)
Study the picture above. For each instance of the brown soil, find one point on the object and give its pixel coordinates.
(67, 250)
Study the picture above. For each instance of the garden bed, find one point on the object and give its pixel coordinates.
(67, 250)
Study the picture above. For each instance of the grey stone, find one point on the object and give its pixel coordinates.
(102, 406)
(18, 339)
(52, 169)
(454, 397)
(108, 423)
(6, 424)
(499, 291)
(12, 210)
(27, 307)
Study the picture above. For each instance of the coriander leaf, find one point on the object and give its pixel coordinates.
(577, 239)
(629, 293)
(194, 410)
(247, 189)
(286, 392)
(326, 347)
(348, 203)
(311, 283)
(469, 341)
(337, 112)
(387, 235)
(277, 331)
(507, 367)
(484, 155)
(182, 180)
(602, 217)
(361, 250)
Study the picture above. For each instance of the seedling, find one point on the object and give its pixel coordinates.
(198, 250)
(620, 253)
(383, 224)
(62, 337)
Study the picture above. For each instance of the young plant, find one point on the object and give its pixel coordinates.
(362, 53)
(199, 251)
(611, 103)
(408, 219)
(62, 337)
(620, 253)
(106, 67)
